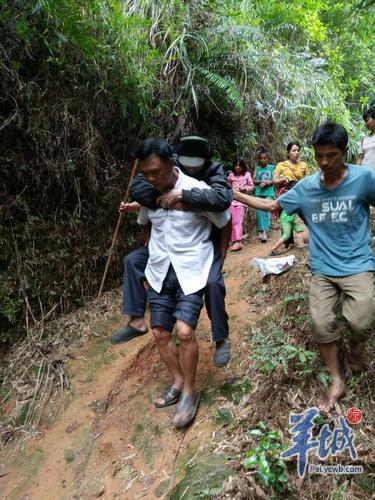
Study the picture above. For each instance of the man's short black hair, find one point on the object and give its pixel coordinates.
(369, 113)
(153, 146)
(330, 133)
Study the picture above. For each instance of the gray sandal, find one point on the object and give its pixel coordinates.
(171, 397)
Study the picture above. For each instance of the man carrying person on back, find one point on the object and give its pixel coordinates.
(180, 258)
(335, 204)
(194, 158)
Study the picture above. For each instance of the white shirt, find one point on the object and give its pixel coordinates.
(181, 238)
(367, 148)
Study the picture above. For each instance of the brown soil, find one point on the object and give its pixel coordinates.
(111, 441)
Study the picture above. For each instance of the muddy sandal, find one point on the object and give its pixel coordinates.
(186, 410)
(170, 397)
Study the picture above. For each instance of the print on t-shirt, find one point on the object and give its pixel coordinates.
(332, 209)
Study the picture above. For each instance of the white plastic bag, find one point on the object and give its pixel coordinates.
(276, 265)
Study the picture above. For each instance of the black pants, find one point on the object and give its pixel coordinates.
(134, 295)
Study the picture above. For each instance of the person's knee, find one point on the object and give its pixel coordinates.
(324, 330)
(137, 259)
(185, 333)
(360, 319)
(161, 335)
(131, 259)
(215, 286)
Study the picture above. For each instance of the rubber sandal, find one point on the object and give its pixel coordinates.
(171, 397)
(126, 333)
(273, 253)
(188, 405)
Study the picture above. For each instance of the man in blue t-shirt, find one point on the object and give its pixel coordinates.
(335, 205)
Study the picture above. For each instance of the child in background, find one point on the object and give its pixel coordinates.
(264, 188)
(240, 179)
(288, 225)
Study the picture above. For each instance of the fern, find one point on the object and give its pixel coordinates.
(231, 92)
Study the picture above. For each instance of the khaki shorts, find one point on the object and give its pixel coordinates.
(358, 306)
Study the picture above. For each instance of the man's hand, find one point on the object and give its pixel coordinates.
(129, 207)
(235, 194)
(170, 198)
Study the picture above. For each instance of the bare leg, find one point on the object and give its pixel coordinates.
(356, 356)
(301, 239)
(189, 400)
(168, 352)
(280, 242)
(188, 355)
(329, 355)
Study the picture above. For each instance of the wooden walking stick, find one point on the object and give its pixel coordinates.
(115, 235)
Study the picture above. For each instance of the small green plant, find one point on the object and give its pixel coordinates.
(265, 459)
(223, 416)
(272, 350)
(10, 303)
(235, 388)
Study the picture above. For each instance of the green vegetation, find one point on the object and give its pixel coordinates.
(265, 459)
(203, 478)
(82, 81)
(271, 350)
(234, 389)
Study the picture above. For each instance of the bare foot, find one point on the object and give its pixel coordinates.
(335, 392)
(356, 358)
(186, 410)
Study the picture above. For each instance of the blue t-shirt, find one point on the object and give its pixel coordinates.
(338, 220)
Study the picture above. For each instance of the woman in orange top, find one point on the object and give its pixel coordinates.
(291, 170)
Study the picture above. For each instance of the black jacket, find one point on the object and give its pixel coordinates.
(216, 199)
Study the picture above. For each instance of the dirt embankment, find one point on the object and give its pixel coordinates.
(111, 440)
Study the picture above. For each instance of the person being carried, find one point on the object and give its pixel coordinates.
(335, 204)
(241, 180)
(264, 188)
(367, 145)
(180, 258)
(194, 158)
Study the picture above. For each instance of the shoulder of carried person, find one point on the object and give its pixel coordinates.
(214, 169)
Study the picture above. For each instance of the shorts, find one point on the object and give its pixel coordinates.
(172, 304)
(287, 229)
(358, 306)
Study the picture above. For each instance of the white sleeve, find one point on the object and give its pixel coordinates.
(143, 218)
(219, 219)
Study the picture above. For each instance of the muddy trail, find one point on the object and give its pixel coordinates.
(111, 441)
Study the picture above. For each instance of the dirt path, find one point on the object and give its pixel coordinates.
(111, 441)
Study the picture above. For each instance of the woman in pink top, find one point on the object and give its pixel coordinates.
(240, 180)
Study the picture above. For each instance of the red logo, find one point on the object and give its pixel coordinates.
(354, 415)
